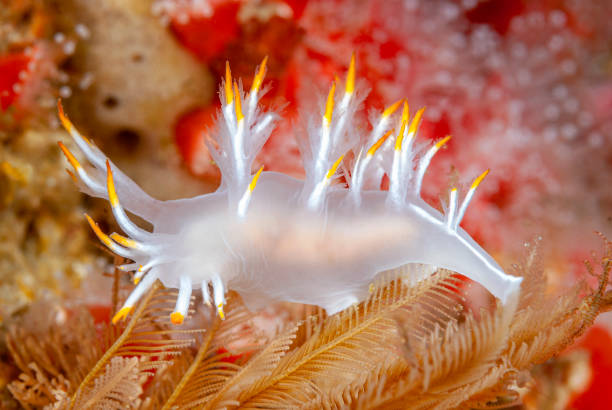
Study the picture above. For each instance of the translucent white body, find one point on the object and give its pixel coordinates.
(271, 237)
(281, 251)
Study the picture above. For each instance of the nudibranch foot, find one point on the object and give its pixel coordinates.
(271, 237)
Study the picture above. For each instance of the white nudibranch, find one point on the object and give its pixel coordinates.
(271, 237)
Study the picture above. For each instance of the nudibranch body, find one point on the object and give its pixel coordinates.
(271, 237)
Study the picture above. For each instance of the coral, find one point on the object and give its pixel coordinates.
(70, 365)
(407, 346)
(32, 51)
(138, 82)
(44, 249)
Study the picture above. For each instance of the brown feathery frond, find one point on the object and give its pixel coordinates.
(118, 387)
(337, 360)
(477, 363)
(555, 323)
(146, 336)
(543, 330)
(250, 378)
(51, 358)
(68, 363)
(411, 344)
(166, 380)
(213, 365)
(448, 364)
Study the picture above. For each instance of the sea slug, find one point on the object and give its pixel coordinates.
(271, 237)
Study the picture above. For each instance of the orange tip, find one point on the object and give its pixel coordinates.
(478, 180)
(73, 161)
(177, 318)
(378, 143)
(101, 235)
(220, 311)
(415, 121)
(136, 280)
(405, 112)
(66, 123)
(229, 95)
(350, 77)
(110, 183)
(122, 240)
(258, 80)
(329, 106)
(63, 118)
(443, 141)
(239, 114)
(400, 137)
(74, 178)
(255, 178)
(334, 167)
(122, 314)
(392, 108)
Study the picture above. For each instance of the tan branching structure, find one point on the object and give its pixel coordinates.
(407, 346)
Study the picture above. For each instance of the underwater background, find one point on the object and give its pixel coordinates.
(524, 87)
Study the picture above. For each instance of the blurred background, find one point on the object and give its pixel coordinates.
(525, 88)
